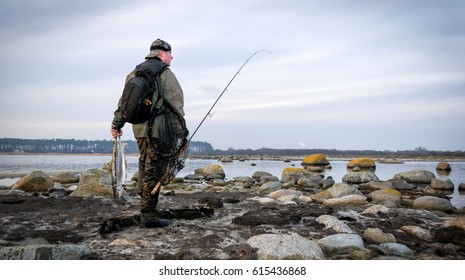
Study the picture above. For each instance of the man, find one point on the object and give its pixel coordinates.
(166, 132)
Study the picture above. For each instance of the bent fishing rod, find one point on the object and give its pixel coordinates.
(224, 90)
(179, 165)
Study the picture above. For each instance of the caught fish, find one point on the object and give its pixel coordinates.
(118, 168)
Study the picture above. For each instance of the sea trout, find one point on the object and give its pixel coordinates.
(118, 168)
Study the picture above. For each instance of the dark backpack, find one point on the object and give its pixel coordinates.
(136, 100)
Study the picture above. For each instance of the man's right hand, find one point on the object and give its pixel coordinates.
(116, 132)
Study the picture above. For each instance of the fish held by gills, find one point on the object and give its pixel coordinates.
(118, 168)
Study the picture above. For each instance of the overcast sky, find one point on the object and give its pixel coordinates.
(383, 75)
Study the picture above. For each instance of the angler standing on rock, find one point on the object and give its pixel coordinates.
(163, 135)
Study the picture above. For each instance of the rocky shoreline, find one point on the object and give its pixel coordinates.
(301, 215)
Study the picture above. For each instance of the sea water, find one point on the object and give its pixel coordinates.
(14, 166)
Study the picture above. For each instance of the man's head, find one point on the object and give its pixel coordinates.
(162, 50)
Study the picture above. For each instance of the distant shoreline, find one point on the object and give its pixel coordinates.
(425, 158)
(396, 160)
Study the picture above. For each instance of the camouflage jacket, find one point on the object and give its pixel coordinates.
(166, 126)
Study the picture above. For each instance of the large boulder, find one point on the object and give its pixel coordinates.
(433, 203)
(213, 171)
(45, 252)
(67, 177)
(269, 187)
(351, 199)
(359, 177)
(375, 235)
(396, 249)
(418, 232)
(281, 193)
(286, 196)
(308, 183)
(342, 189)
(293, 174)
(382, 196)
(226, 159)
(315, 160)
(418, 176)
(259, 174)
(94, 182)
(320, 197)
(362, 163)
(333, 223)
(443, 166)
(439, 184)
(244, 180)
(35, 181)
(341, 243)
(263, 176)
(400, 184)
(285, 247)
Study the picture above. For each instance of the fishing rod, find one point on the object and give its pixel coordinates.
(178, 163)
(224, 90)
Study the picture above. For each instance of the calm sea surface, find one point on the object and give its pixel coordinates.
(17, 164)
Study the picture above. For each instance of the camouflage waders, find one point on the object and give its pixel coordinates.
(151, 169)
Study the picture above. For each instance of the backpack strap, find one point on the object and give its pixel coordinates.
(166, 106)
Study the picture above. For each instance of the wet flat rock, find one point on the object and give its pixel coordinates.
(280, 216)
(123, 222)
(185, 213)
(451, 234)
(12, 200)
(82, 205)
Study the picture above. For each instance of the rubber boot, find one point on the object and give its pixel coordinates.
(150, 220)
(149, 205)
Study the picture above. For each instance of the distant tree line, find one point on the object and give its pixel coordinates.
(72, 146)
(75, 146)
